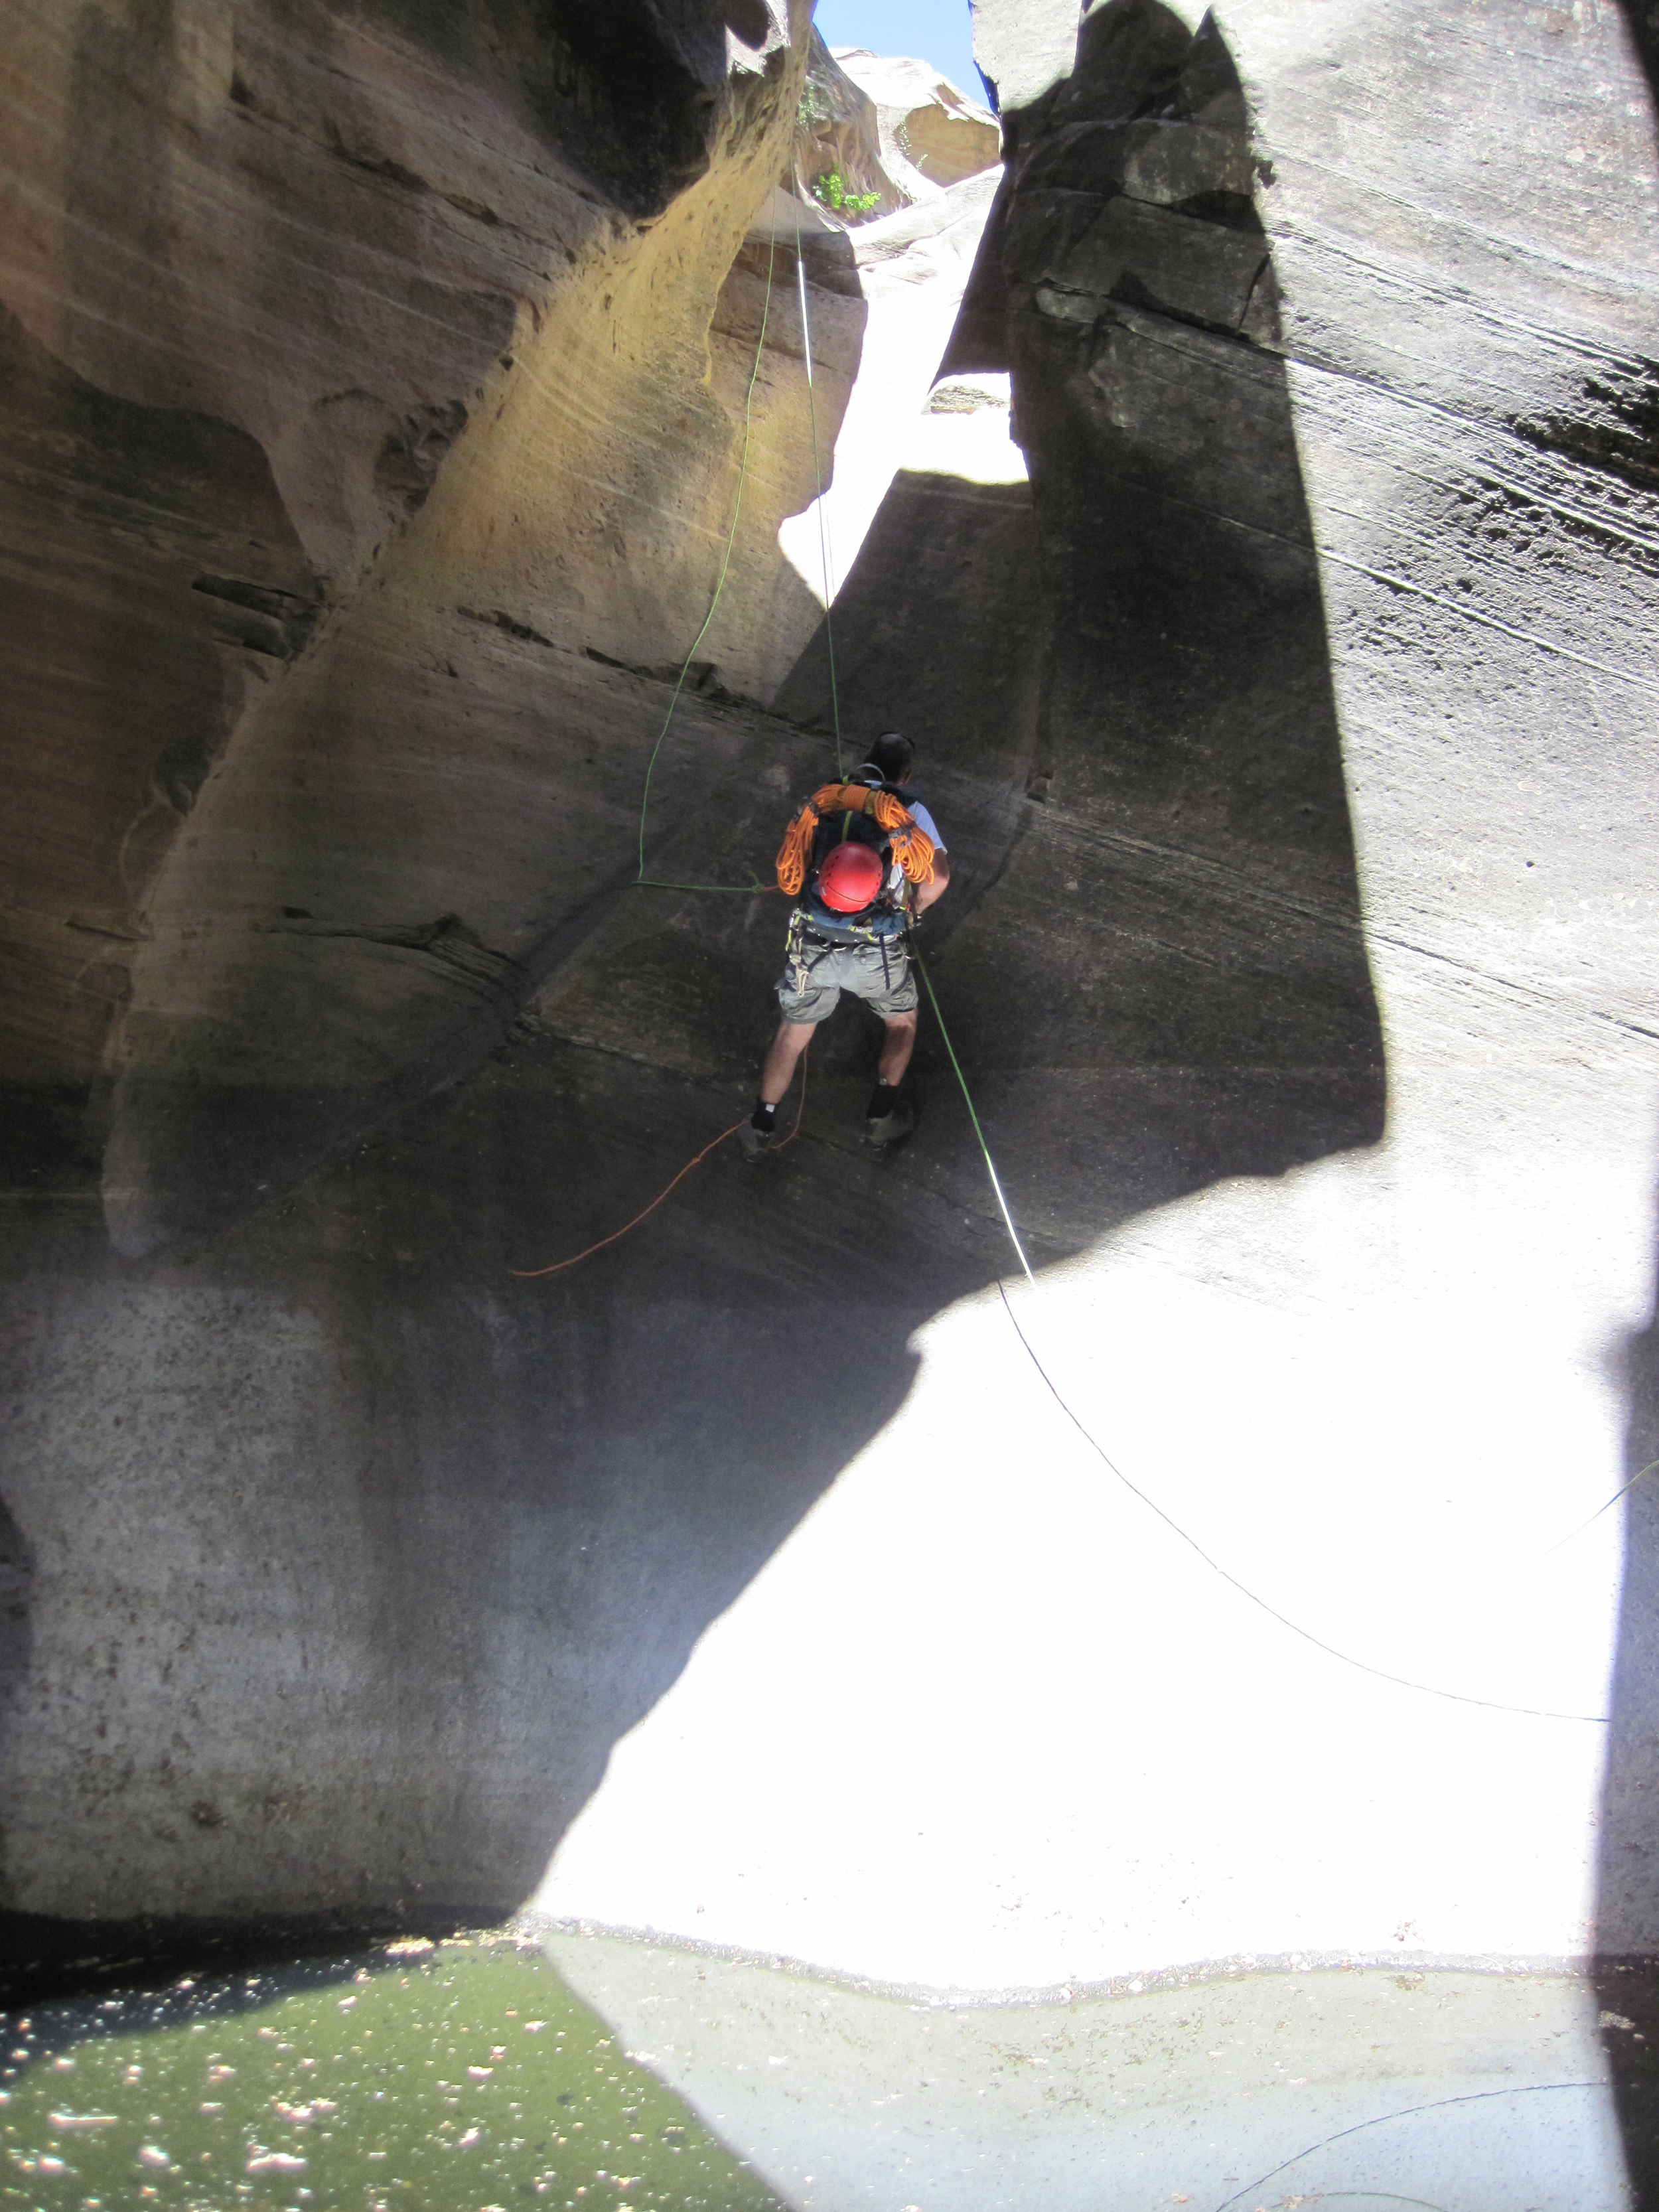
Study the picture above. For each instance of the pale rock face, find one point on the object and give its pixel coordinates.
(912, 270)
(381, 407)
(888, 126)
(931, 134)
(1021, 51)
(840, 137)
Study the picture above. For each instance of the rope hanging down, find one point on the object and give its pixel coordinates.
(641, 881)
(1400, 1681)
(823, 523)
(967, 1100)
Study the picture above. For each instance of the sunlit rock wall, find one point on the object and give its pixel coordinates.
(932, 132)
(841, 137)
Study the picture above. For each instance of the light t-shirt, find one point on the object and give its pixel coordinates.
(918, 813)
(924, 821)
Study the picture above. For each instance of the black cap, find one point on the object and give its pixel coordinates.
(891, 756)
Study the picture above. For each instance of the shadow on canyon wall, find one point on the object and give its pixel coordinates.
(382, 1551)
(1131, 658)
(1627, 1974)
(1627, 1884)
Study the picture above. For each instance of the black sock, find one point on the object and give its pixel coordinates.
(882, 1101)
(764, 1117)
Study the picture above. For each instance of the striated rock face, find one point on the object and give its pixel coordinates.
(1020, 52)
(1319, 650)
(1174, 659)
(911, 269)
(306, 317)
(152, 574)
(383, 396)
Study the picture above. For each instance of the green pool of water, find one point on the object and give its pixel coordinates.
(456, 2077)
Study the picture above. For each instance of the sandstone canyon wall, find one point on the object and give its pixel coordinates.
(1315, 672)
(931, 131)
(386, 391)
(308, 314)
(375, 382)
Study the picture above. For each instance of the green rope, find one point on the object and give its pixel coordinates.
(1599, 1511)
(726, 562)
(990, 1164)
(835, 712)
(642, 881)
(741, 891)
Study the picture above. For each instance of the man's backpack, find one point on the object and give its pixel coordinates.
(874, 814)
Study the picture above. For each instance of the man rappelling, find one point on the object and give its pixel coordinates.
(860, 858)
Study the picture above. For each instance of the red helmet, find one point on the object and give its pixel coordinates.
(850, 877)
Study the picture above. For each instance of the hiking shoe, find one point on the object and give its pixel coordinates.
(754, 1143)
(889, 1129)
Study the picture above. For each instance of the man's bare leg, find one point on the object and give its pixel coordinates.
(896, 1049)
(777, 1071)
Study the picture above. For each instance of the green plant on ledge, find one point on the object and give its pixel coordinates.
(831, 189)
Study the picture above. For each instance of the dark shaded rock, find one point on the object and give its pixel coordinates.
(1615, 426)
(390, 305)
(1194, 269)
(1185, 710)
(127, 662)
(1150, 958)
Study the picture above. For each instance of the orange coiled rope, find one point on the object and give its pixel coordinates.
(558, 1267)
(913, 849)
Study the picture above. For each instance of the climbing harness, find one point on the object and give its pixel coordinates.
(852, 889)
(812, 860)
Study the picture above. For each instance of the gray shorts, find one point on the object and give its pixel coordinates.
(815, 975)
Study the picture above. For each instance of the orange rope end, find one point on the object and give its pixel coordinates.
(535, 1275)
